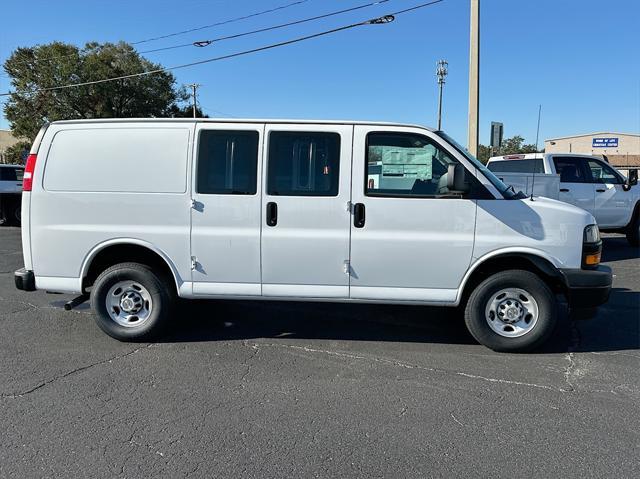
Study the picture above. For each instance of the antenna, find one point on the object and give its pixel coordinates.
(533, 181)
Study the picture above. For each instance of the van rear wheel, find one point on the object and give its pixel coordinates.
(131, 302)
(511, 311)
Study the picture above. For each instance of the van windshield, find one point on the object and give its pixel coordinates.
(506, 191)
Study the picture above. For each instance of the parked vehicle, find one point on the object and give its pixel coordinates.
(136, 213)
(10, 191)
(585, 181)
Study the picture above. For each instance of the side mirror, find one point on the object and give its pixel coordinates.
(632, 179)
(456, 179)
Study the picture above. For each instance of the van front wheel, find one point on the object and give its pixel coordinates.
(511, 311)
(131, 302)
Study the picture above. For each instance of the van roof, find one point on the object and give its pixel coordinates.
(238, 120)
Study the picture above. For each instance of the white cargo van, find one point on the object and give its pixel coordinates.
(581, 180)
(136, 213)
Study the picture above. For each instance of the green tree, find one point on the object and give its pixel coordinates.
(16, 154)
(515, 144)
(57, 63)
(510, 146)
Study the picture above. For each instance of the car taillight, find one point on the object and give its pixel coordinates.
(27, 179)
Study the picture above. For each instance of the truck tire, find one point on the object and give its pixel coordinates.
(633, 230)
(512, 311)
(131, 302)
(16, 213)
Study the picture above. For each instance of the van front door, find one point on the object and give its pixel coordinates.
(613, 205)
(225, 214)
(411, 239)
(305, 215)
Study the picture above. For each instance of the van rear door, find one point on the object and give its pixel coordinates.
(225, 214)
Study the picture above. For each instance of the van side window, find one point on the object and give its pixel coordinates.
(405, 164)
(303, 164)
(570, 169)
(227, 162)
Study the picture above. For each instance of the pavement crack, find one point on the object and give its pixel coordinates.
(574, 344)
(405, 365)
(255, 350)
(72, 372)
(456, 419)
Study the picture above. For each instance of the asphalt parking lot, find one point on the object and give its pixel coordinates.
(259, 389)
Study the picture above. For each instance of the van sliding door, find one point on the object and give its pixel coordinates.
(305, 215)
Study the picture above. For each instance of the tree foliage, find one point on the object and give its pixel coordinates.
(57, 63)
(510, 146)
(16, 154)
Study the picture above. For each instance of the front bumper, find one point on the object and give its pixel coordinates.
(25, 280)
(587, 288)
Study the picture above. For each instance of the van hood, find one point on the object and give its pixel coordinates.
(554, 209)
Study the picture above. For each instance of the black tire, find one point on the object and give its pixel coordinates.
(162, 295)
(16, 213)
(478, 324)
(633, 231)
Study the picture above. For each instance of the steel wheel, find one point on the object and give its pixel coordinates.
(512, 312)
(129, 303)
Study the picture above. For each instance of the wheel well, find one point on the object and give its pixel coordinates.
(125, 253)
(535, 264)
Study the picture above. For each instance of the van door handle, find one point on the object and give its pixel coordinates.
(564, 190)
(358, 215)
(272, 213)
(601, 191)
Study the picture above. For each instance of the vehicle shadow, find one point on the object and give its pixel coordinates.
(616, 248)
(242, 320)
(617, 326)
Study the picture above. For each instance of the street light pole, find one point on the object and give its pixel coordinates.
(441, 73)
(194, 89)
(474, 81)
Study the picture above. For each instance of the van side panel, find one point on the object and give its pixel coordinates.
(102, 182)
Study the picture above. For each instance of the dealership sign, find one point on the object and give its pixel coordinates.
(604, 143)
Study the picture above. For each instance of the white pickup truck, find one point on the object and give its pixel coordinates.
(584, 181)
(10, 193)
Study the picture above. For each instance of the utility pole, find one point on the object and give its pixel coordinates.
(441, 73)
(194, 89)
(474, 79)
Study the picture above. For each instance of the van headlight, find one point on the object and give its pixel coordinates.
(591, 247)
(591, 234)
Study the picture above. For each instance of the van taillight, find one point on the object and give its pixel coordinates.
(27, 179)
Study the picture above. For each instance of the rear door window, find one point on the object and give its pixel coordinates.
(571, 170)
(517, 166)
(11, 174)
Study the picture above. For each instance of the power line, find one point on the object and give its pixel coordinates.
(223, 22)
(375, 21)
(205, 43)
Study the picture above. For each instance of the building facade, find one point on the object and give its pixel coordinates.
(622, 150)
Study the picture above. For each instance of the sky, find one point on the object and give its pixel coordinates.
(579, 59)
